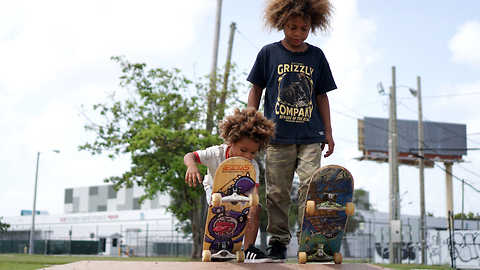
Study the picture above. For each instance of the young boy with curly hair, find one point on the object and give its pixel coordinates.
(245, 133)
(297, 77)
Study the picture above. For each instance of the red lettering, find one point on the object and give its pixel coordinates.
(236, 168)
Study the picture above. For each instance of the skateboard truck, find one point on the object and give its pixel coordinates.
(234, 198)
(319, 255)
(233, 195)
(232, 190)
(222, 245)
(223, 253)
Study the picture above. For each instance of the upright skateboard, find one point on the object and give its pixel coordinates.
(232, 196)
(329, 203)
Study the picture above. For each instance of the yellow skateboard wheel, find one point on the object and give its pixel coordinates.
(240, 256)
(350, 208)
(337, 258)
(302, 257)
(206, 255)
(216, 199)
(310, 207)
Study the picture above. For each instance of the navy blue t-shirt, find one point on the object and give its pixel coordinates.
(292, 80)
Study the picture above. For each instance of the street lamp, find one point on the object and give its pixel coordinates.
(393, 160)
(394, 213)
(421, 166)
(32, 231)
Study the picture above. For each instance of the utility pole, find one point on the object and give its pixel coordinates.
(421, 168)
(463, 202)
(223, 95)
(213, 71)
(32, 229)
(449, 189)
(393, 165)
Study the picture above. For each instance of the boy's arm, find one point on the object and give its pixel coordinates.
(254, 96)
(253, 210)
(193, 173)
(324, 109)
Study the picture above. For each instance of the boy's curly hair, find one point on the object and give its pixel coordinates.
(316, 12)
(248, 123)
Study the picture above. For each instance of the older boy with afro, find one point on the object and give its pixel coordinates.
(245, 133)
(297, 77)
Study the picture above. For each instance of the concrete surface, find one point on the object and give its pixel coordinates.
(111, 265)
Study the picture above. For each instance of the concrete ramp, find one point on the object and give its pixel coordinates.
(121, 265)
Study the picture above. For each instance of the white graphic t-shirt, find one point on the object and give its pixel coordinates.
(212, 157)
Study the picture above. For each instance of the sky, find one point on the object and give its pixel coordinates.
(55, 59)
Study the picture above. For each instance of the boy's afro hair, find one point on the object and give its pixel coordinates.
(248, 123)
(317, 12)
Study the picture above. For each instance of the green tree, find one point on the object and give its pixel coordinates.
(469, 216)
(361, 201)
(472, 216)
(3, 226)
(156, 125)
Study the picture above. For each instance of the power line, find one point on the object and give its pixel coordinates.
(236, 29)
(468, 170)
(454, 176)
(340, 139)
(451, 95)
(344, 114)
(444, 149)
(350, 109)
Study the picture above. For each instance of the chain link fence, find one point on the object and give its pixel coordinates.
(128, 242)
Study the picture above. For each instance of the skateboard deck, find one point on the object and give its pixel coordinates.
(329, 203)
(232, 194)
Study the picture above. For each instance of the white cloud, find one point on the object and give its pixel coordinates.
(55, 56)
(55, 36)
(461, 106)
(349, 44)
(465, 44)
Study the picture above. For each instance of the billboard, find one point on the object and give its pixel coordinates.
(443, 142)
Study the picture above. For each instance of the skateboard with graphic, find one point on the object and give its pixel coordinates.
(329, 203)
(232, 196)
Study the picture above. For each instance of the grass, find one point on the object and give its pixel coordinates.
(30, 262)
(413, 266)
(393, 266)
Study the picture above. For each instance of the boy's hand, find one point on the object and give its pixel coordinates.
(331, 145)
(193, 175)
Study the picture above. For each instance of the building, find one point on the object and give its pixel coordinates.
(98, 220)
(100, 214)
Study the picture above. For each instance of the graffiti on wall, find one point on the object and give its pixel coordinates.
(409, 252)
(465, 249)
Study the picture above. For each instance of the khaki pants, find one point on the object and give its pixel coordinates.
(282, 161)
